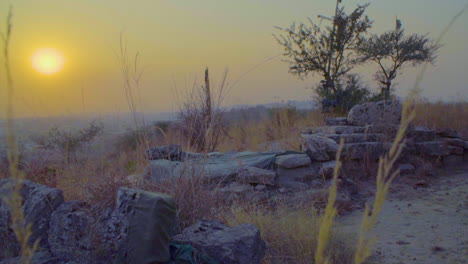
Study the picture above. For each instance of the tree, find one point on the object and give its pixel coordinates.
(351, 91)
(394, 49)
(328, 51)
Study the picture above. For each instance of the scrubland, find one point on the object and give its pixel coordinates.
(95, 171)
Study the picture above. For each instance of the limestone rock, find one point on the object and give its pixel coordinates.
(228, 245)
(434, 148)
(357, 138)
(338, 130)
(70, 233)
(237, 188)
(421, 134)
(298, 174)
(336, 121)
(169, 152)
(407, 169)
(448, 133)
(327, 169)
(254, 175)
(292, 161)
(374, 113)
(149, 221)
(319, 148)
(39, 202)
(359, 151)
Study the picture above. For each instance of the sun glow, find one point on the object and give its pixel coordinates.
(48, 61)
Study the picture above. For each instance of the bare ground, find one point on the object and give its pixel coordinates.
(424, 220)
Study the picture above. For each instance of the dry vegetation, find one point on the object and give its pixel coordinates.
(296, 235)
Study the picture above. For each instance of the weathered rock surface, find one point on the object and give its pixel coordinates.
(150, 220)
(448, 133)
(302, 174)
(337, 130)
(215, 167)
(374, 113)
(237, 188)
(319, 148)
(327, 169)
(228, 245)
(406, 169)
(421, 134)
(360, 151)
(41, 257)
(357, 138)
(38, 204)
(169, 152)
(292, 161)
(71, 234)
(255, 175)
(433, 148)
(336, 121)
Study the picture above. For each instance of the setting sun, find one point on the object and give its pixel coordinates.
(48, 61)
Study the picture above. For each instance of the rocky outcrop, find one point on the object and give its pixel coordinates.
(228, 245)
(39, 202)
(375, 113)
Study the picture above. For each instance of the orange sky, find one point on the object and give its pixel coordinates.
(177, 39)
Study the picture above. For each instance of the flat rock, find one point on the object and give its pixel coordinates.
(298, 174)
(336, 121)
(292, 161)
(240, 244)
(406, 169)
(435, 148)
(448, 133)
(237, 188)
(255, 175)
(375, 113)
(338, 130)
(421, 134)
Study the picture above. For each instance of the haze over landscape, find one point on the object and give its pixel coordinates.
(177, 39)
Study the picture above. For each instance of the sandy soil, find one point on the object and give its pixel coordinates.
(423, 221)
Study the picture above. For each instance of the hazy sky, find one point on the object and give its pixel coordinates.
(178, 38)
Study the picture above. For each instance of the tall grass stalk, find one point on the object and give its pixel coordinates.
(328, 217)
(20, 227)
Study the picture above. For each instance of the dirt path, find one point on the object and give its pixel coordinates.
(422, 222)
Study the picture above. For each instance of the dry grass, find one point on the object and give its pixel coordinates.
(442, 115)
(291, 234)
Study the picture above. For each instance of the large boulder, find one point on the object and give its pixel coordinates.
(149, 221)
(228, 245)
(375, 113)
(39, 202)
(319, 148)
